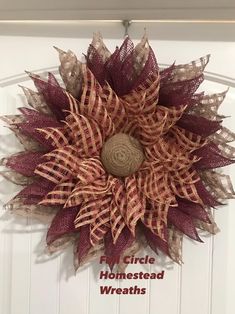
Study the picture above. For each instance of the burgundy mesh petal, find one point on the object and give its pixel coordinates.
(124, 241)
(62, 224)
(155, 242)
(205, 195)
(31, 131)
(199, 125)
(211, 157)
(83, 243)
(38, 119)
(36, 191)
(35, 120)
(166, 73)
(54, 96)
(150, 67)
(24, 163)
(178, 93)
(52, 79)
(183, 222)
(194, 210)
(96, 64)
(119, 69)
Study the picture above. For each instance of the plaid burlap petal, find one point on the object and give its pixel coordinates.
(210, 227)
(186, 140)
(36, 100)
(170, 155)
(91, 104)
(54, 172)
(28, 143)
(12, 120)
(117, 222)
(16, 178)
(208, 106)
(188, 71)
(60, 193)
(85, 134)
(85, 170)
(185, 176)
(179, 83)
(55, 137)
(118, 208)
(88, 211)
(100, 47)
(186, 191)
(135, 204)
(115, 107)
(219, 185)
(92, 190)
(173, 115)
(97, 56)
(89, 170)
(96, 214)
(96, 61)
(223, 135)
(42, 213)
(66, 155)
(227, 150)
(144, 98)
(141, 54)
(153, 182)
(150, 127)
(101, 224)
(70, 71)
(175, 241)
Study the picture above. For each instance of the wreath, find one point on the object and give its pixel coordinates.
(121, 155)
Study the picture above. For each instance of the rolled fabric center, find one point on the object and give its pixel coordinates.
(122, 155)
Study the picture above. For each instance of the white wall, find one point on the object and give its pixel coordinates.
(28, 285)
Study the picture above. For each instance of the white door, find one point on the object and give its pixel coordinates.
(31, 285)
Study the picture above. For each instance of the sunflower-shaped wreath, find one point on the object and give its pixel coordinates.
(123, 155)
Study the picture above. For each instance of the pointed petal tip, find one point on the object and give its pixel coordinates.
(198, 239)
(28, 72)
(60, 51)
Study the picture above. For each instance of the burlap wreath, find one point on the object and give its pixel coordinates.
(123, 155)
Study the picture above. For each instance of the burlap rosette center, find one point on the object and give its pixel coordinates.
(122, 155)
